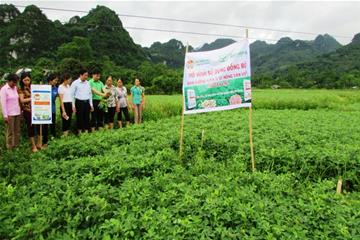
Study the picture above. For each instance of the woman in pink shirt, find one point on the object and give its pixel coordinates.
(11, 111)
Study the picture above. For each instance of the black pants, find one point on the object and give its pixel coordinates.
(53, 125)
(45, 129)
(66, 123)
(82, 114)
(97, 116)
(109, 115)
(45, 133)
(31, 129)
(124, 111)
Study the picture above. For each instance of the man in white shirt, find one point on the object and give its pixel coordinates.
(82, 101)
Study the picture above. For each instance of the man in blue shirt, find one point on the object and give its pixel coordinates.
(51, 80)
(54, 95)
(82, 101)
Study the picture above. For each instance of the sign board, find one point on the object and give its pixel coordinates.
(41, 104)
(217, 80)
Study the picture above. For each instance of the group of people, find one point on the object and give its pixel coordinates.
(94, 104)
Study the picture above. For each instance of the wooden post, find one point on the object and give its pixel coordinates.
(40, 136)
(251, 140)
(41, 132)
(339, 186)
(250, 126)
(181, 143)
(202, 137)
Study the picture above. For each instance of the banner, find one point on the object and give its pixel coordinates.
(41, 104)
(217, 80)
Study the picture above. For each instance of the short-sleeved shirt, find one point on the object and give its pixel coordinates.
(54, 94)
(27, 94)
(66, 92)
(113, 98)
(136, 93)
(122, 95)
(9, 99)
(98, 85)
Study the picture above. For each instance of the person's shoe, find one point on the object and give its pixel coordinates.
(34, 149)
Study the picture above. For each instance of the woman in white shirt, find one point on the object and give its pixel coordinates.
(124, 104)
(65, 103)
(112, 103)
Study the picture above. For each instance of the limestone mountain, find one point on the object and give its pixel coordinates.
(28, 35)
(325, 43)
(171, 53)
(218, 43)
(265, 57)
(336, 69)
(107, 36)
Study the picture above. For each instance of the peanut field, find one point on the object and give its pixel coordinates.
(131, 184)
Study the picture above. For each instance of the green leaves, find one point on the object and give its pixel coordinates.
(103, 105)
(79, 48)
(129, 183)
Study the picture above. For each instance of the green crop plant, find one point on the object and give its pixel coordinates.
(130, 184)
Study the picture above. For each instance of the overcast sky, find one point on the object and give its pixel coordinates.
(336, 18)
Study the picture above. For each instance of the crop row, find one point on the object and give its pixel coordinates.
(130, 183)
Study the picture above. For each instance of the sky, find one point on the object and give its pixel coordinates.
(339, 19)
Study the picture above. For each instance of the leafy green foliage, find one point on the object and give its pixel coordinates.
(107, 37)
(7, 14)
(79, 49)
(339, 69)
(103, 105)
(130, 183)
(31, 35)
(71, 66)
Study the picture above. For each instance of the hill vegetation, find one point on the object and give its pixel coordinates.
(98, 39)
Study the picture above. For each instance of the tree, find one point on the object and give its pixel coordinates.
(45, 63)
(147, 72)
(168, 83)
(79, 48)
(71, 66)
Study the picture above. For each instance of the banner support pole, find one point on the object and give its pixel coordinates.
(181, 143)
(250, 125)
(40, 136)
(40, 128)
